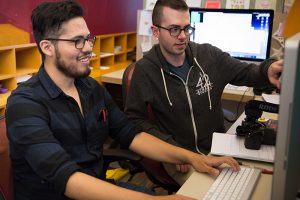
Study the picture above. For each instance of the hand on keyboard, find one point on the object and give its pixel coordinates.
(202, 163)
(234, 185)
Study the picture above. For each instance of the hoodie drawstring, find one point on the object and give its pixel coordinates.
(165, 85)
(206, 83)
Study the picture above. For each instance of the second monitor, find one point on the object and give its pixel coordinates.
(244, 34)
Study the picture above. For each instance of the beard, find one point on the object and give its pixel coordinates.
(70, 70)
(172, 49)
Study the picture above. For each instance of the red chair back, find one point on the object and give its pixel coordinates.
(6, 183)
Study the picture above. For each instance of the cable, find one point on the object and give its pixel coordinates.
(241, 100)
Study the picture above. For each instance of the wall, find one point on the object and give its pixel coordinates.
(102, 16)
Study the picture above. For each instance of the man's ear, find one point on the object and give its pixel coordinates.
(155, 31)
(47, 47)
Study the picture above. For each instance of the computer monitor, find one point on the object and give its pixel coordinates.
(244, 34)
(286, 177)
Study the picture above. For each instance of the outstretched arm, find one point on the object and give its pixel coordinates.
(156, 149)
(274, 72)
(82, 186)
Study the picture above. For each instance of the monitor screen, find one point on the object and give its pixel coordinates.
(244, 34)
(286, 178)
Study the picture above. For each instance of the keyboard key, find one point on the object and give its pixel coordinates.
(234, 185)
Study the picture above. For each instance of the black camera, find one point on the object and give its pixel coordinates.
(257, 132)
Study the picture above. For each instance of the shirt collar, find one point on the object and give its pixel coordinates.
(52, 89)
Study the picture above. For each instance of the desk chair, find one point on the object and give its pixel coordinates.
(153, 169)
(6, 181)
(125, 158)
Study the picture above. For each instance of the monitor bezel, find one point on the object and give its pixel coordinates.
(286, 177)
(244, 11)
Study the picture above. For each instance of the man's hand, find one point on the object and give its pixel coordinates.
(274, 72)
(183, 168)
(173, 197)
(208, 164)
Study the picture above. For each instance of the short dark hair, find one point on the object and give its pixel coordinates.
(174, 4)
(48, 17)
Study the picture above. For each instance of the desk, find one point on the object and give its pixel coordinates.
(199, 183)
(113, 77)
(235, 95)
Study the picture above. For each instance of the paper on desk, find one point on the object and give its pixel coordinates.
(271, 98)
(233, 145)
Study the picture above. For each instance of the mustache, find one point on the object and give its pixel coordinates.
(87, 55)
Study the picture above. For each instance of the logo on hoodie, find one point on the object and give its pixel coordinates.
(203, 84)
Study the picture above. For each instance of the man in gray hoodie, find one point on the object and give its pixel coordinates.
(183, 83)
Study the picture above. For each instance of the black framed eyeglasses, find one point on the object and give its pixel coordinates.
(176, 30)
(79, 42)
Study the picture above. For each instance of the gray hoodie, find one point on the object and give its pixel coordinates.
(187, 112)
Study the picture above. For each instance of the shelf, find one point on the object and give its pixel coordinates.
(107, 43)
(97, 72)
(7, 61)
(106, 61)
(104, 54)
(6, 76)
(24, 71)
(16, 61)
(131, 40)
(95, 58)
(120, 44)
(18, 46)
(96, 48)
(130, 50)
(9, 83)
(119, 58)
(22, 55)
(3, 99)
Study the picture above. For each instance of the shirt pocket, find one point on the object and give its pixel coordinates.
(98, 130)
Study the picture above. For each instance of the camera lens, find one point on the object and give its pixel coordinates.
(253, 140)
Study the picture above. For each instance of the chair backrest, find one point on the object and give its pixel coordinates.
(126, 82)
(153, 169)
(6, 183)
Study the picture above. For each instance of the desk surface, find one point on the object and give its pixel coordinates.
(235, 95)
(199, 183)
(113, 77)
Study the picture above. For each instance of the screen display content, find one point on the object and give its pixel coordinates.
(244, 34)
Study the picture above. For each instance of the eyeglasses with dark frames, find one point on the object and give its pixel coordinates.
(176, 30)
(79, 42)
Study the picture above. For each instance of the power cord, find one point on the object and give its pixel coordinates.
(241, 100)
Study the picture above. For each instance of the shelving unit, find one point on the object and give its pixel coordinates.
(111, 52)
(15, 61)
